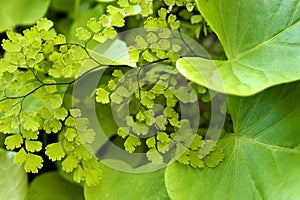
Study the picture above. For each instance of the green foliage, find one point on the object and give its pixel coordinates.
(36, 105)
(33, 163)
(13, 141)
(144, 105)
(261, 153)
(51, 186)
(130, 185)
(102, 96)
(131, 143)
(55, 151)
(157, 110)
(252, 46)
(13, 182)
(83, 34)
(26, 12)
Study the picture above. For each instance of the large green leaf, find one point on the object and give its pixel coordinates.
(21, 12)
(126, 186)
(262, 157)
(50, 185)
(13, 178)
(261, 41)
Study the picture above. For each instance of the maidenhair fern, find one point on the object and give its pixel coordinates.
(40, 67)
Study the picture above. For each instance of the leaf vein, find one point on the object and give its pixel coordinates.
(274, 124)
(272, 20)
(252, 107)
(292, 16)
(269, 146)
(247, 30)
(271, 108)
(251, 175)
(269, 40)
(232, 156)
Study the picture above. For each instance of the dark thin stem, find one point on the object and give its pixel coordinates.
(23, 96)
(35, 76)
(86, 51)
(140, 69)
(156, 61)
(191, 50)
(188, 46)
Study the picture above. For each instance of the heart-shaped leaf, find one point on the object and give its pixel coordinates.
(262, 157)
(261, 41)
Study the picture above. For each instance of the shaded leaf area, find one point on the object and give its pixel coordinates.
(13, 181)
(50, 185)
(262, 157)
(260, 40)
(23, 12)
(122, 185)
(2, 139)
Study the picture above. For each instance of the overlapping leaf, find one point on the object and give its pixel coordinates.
(262, 157)
(261, 41)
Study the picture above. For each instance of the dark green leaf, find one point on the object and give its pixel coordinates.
(121, 185)
(50, 185)
(262, 157)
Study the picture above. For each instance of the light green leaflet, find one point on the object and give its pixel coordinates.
(22, 12)
(13, 181)
(262, 157)
(261, 41)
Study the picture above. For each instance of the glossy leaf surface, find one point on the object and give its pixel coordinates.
(261, 41)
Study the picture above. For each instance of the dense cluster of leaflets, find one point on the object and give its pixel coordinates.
(36, 72)
(40, 67)
(158, 45)
(154, 119)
